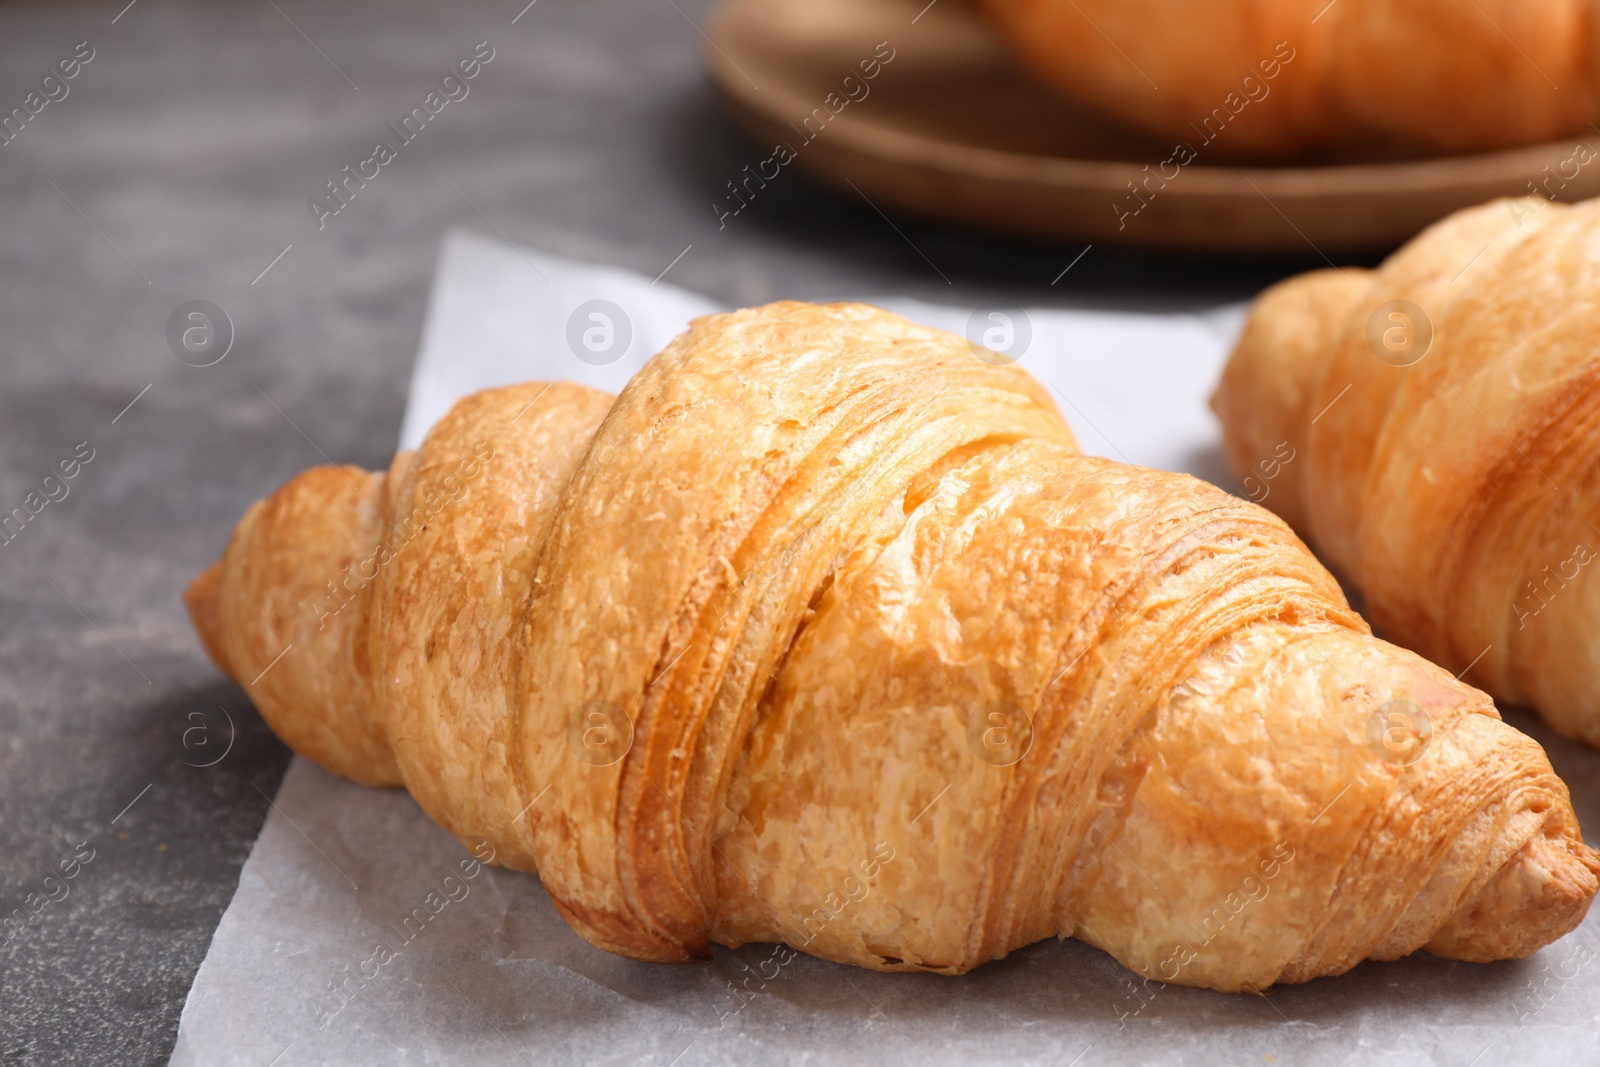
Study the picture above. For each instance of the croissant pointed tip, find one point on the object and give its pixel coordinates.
(203, 598)
(1541, 894)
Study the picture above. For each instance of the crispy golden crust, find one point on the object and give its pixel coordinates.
(1459, 492)
(824, 632)
(1276, 78)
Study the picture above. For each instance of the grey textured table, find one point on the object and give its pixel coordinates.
(179, 166)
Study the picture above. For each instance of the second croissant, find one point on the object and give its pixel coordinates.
(1442, 413)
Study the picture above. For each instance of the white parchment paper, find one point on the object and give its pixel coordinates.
(346, 943)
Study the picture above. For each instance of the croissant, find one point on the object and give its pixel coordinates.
(1280, 78)
(824, 632)
(1441, 414)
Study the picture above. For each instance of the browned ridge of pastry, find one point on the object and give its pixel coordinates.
(1269, 79)
(825, 632)
(1443, 413)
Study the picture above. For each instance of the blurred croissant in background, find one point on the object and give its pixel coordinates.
(1273, 79)
(1443, 413)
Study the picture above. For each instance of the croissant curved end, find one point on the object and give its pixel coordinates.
(824, 632)
(203, 599)
(1540, 895)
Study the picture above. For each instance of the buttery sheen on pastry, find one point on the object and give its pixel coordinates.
(1278, 78)
(1443, 413)
(824, 632)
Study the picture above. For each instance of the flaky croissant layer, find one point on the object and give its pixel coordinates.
(824, 632)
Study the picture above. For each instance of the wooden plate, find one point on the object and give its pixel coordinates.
(951, 128)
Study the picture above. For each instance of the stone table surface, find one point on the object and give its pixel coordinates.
(179, 166)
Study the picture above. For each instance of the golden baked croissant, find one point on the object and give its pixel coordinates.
(1443, 415)
(824, 632)
(1276, 78)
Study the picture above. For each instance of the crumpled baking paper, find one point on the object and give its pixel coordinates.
(362, 933)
